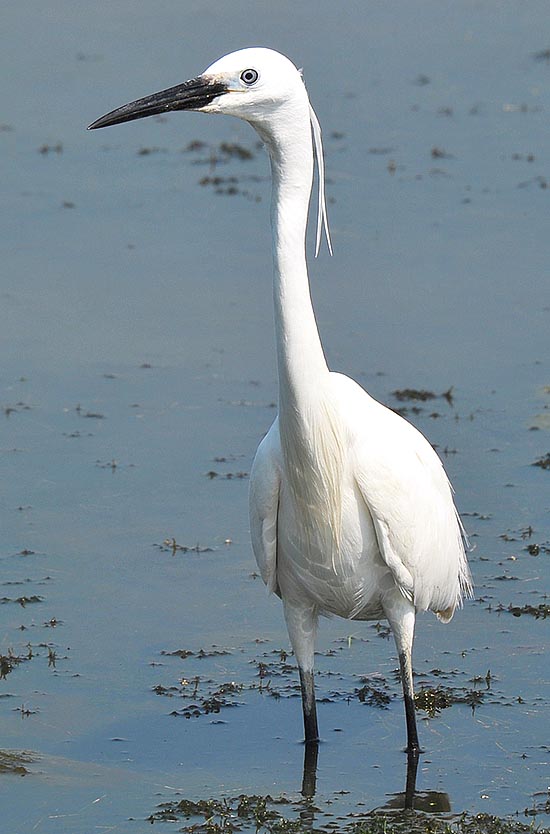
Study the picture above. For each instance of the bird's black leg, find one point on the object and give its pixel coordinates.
(413, 748)
(405, 664)
(311, 729)
(401, 617)
(301, 621)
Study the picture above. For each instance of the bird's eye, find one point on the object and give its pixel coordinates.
(249, 76)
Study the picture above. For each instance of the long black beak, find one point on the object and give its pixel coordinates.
(192, 95)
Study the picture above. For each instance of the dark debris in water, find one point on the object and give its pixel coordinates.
(236, 150)
(374, 696)
(12, 659)
(543, 462)
(145, 151)
(203, 698)
(475, 514)
(23, 601)
(9, 661)
(517, 535)
(90, 415)
(14, 409)
(47, 149)
(539, 612)
(433, 700)
(542, 55)
(172, 546)
(241, 813)
(410, 822)
(225, 154)
(416, 397)
(281, 815)
(421, 395)
(439, 153)
(228, 476)
(201, 654)
(209, 688)
(536, 549)
(539, 806)
(14, 762)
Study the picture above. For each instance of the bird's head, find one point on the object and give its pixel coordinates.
(252, 84)
(258, 85)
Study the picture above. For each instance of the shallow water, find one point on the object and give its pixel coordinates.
(138, 360)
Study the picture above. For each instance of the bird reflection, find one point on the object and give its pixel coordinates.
(431, 802)
(309, 776)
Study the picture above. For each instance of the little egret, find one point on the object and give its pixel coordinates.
(351, 512)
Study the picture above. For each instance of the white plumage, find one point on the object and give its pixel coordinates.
(351, 512)
(393, 524)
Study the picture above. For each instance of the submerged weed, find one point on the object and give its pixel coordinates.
(241, 813)
(8, 663)
(539, 612)
(172, 546)
(274, 673)
(204, 697)
(421, 395)
(374, 696)
(435, 699)
(12, 659)
(13, 762)
(23, 600)
(432, 700)
(252, 813)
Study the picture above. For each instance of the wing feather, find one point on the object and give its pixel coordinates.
(265, 482)
(404, 486)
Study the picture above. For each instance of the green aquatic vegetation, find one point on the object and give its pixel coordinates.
(9, 661)
(421, 395)
(252, 813)
(234, 149)
(273, 673)
(241, 813)
(432, 700)
(13, 762)
(204, 696)
(228, 476)
(405, 394)
(536, 549)
(172, 546)
(374, 696)
(539, 806)
(435, 699)
(409, 822)
(12, 659)
(533, 549)
(539, 612)
(23, 600)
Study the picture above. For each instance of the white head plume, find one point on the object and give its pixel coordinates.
(322, 217)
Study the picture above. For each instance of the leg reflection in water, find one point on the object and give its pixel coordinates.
(309, 777)
(435, 802)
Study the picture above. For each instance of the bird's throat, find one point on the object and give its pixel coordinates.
(309, 422)
(302, 367)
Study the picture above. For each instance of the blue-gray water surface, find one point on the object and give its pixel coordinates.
(138, 376)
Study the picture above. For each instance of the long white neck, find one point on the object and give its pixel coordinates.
(309, 427)
(301, 363)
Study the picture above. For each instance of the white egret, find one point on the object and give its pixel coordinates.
(351, 512)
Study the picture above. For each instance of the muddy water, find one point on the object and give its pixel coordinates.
(138, 376)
